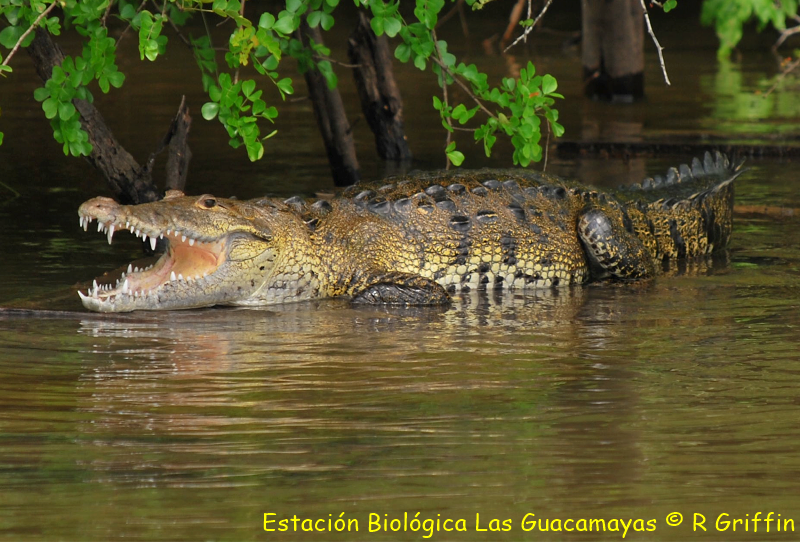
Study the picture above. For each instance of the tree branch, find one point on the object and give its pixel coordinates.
(655, 40)
(786, 34)
(786, 71)
(129, 182)
(464, 86)
(17, 45)
(530, 28)
(446, 106)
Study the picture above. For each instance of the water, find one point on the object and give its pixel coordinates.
(602, 402)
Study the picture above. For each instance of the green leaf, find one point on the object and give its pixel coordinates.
(127, 12)
(1, 138)
(549, 84)
(10, 35)
(255, 151)
(209, 110)
(116, 79)
(419, 62)
(377, 24)
(669, 5)
(391, 26)
(215, 93)
(41, 94)
(266, 21)
(293, 5)
(327, 22)
(437, 103)
(285, 25)
(248, 87)
(314, 18)
(50, 108)
(285, 86)
(66, 110)
(456, 157)
(402, 52)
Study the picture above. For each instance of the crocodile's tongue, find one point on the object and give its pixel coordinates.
(183, 261)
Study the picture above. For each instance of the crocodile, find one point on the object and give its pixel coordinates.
(415, 239)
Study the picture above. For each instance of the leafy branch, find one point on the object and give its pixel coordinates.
(514, 108)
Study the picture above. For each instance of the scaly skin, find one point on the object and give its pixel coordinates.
(415, 239)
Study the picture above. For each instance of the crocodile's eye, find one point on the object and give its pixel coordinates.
(207, 202)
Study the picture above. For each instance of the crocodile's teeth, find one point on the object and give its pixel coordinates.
(82, 296)
(99, 226)
(125, 286)
(128, 225)
(110, 233)
(161, 236)
(183, 238)
(136, 233)
(169, 232)
(191, 242)
(172, 276)
(130, 269)
(153, 241)
(180, 276)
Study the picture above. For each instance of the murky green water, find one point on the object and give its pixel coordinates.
(603, 402)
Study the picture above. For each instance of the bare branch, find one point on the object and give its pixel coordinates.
(786, 71)
(546, 147)
(530, 28)
(655, 40)
(334, 61)
(786, 34)
(438, 60)
(25, 34)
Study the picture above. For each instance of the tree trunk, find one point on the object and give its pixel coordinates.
(380, 97)
(613, 49)
(179, 154)
(331, 119)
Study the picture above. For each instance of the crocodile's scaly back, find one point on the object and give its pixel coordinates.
(416, 239)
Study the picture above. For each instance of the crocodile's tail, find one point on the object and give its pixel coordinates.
(688, 212)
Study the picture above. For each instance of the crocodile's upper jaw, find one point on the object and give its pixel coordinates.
(195, 270)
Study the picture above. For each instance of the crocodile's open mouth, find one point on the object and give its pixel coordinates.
(186, 260)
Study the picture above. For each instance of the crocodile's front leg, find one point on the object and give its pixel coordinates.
(612, 249)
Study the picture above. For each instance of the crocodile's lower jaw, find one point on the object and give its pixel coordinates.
(185, 265)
